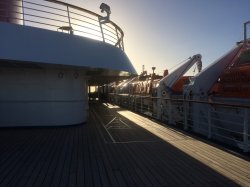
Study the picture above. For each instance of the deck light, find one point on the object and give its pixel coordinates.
(105, 8)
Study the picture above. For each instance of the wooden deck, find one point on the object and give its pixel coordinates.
(115, 148)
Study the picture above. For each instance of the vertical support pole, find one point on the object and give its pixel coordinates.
(150, 106)
(98, 92)
(135, 104)
(118, 39)
(161, 110)
(71, 31)
(185, 115)
(89, 92)
(128, 102)
(169, 106)
(131, 102)
(122, 44)
(158, 108)
(245, 130)
(141, 105)
(116, 99)
(103, 38)
(209, 135)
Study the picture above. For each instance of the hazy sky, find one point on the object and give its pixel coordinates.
(162, 33)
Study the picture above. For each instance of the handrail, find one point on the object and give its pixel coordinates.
(226, 122)
(87, 11)
(54, 15)
(188, 100)
(73, 6)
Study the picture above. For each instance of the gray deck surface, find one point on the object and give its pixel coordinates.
(115, 148)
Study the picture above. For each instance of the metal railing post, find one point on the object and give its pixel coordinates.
(141, 105)
(169, 111)
(103, 38)
(118, 39)
(70, 27)
(209, 135)
(23, 13)
(245, 130)
(68, 15)
(135, 104)
(185, 115)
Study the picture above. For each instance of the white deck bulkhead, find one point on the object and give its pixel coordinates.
(44, 75)
(42, 97)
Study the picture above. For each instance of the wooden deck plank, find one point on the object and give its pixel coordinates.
(113, 161)
(109, 154)
(221, 159)
(195, 154)
(88, 176)
(44, 163)
(12, 153)
(67, 162)
(120, 160)
(61, 162)
(143, 167)
(143, 122)
(74, 161)
(168, 165)
(109, 157)
(54, 161)
(32, 165)
(223, 166)
(93, 161)
(20, 159)
(145, 154)
(7, 146)
(161, 158)
(80, 166)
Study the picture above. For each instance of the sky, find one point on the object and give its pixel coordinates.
(162, 33)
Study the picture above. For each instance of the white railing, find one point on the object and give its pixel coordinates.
(63, 17)
(227, 123)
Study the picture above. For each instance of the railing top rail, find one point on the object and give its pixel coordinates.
(207, 102)
(75, 7)
(192, 101)
(85, 10)
(64, 17)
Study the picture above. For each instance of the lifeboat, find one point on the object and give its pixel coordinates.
(234, 82)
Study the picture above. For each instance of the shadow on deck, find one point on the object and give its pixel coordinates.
(115, 148)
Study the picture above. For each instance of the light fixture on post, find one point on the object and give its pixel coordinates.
(105, 8)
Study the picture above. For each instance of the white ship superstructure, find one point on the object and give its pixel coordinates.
(50, 52)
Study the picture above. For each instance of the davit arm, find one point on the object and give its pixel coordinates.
(168, 81)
